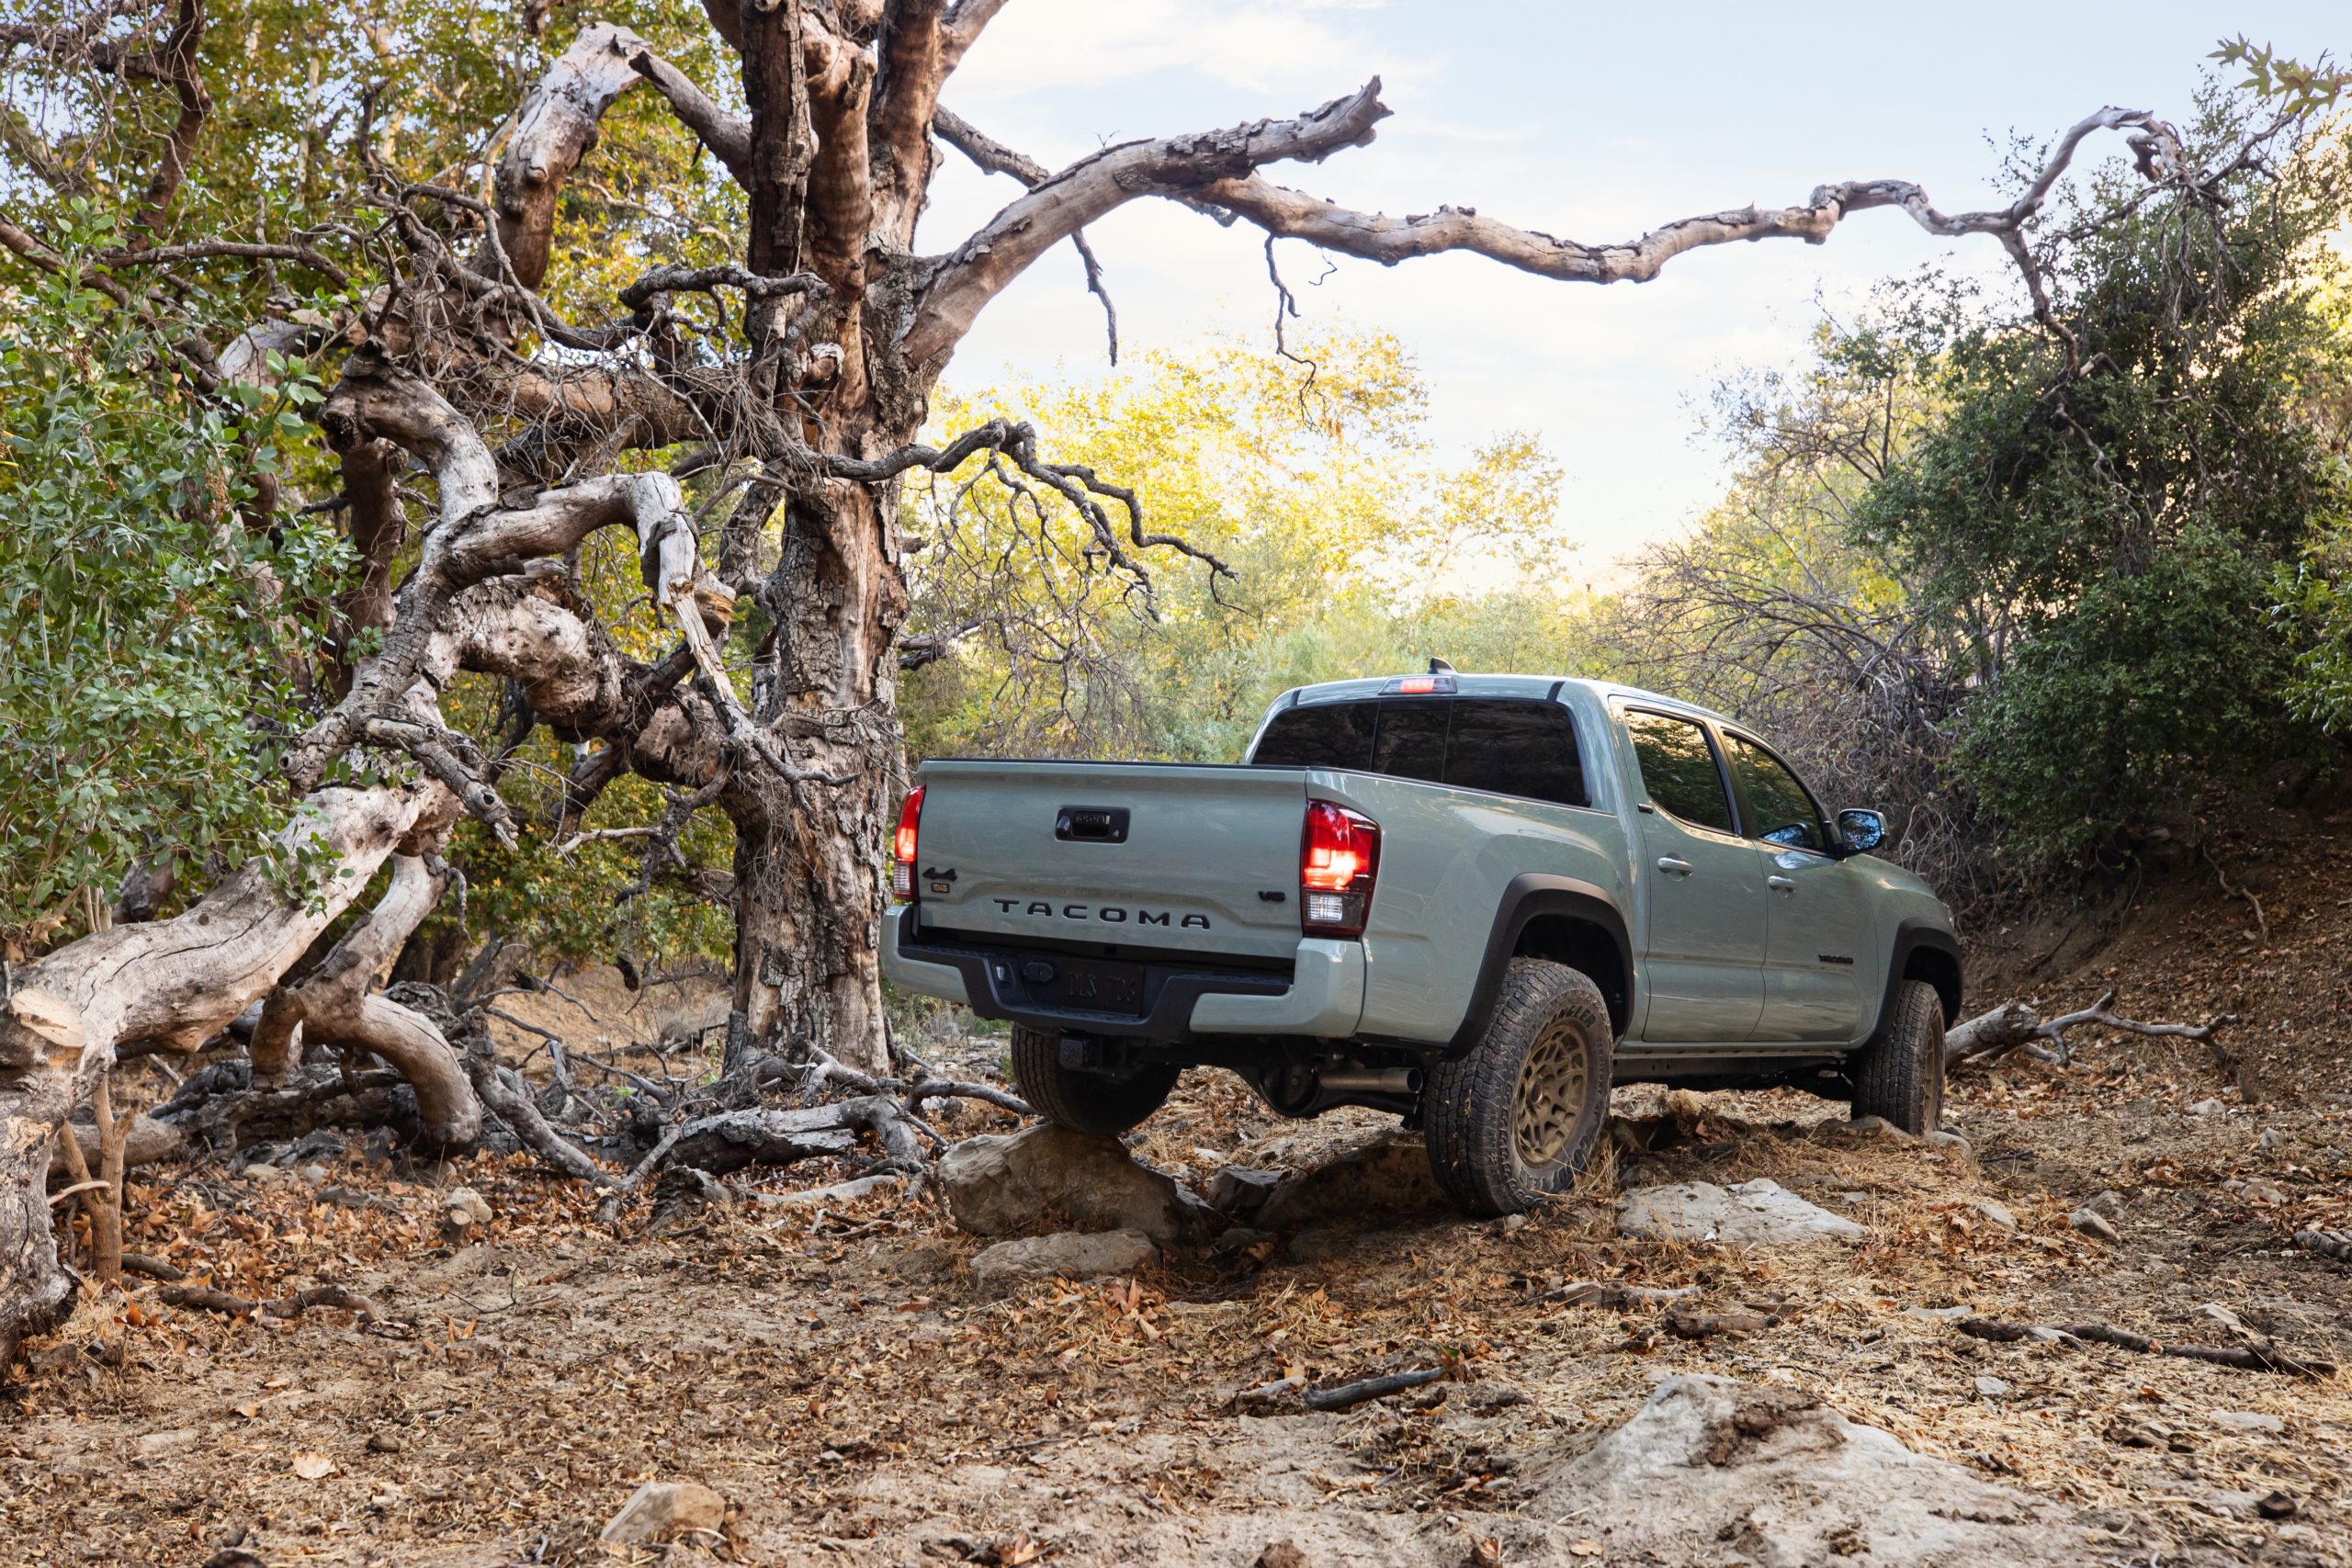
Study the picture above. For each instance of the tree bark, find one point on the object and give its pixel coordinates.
(177, 981)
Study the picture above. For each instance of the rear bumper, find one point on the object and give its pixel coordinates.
(1323, 997)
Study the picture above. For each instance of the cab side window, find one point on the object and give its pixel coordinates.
(1784, 813)
(1679, 769)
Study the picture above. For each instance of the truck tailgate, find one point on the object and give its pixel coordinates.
(1182, 857)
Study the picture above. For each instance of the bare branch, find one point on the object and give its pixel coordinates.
(1377, 237)
(998, 159)
(727, 137)
(1006, 245)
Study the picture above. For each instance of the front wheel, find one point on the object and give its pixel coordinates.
(1084, 1102)
(1515, 1119)
(1900, 1075)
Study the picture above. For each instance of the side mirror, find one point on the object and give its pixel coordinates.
(1861, 831)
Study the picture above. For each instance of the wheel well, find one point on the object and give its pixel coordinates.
(1585, 947)
(1939, 969)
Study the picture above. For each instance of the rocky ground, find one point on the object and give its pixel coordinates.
(849, 1389)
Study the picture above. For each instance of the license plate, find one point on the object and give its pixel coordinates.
(1094, 986)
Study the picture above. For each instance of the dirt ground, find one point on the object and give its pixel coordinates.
(837, 1374)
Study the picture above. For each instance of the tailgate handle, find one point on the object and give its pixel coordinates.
(1091, 824)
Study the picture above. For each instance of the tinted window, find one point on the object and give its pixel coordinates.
(1784, 813)
(1522, 748)
(1679, 769)
(1411, 743)
(1525, 748)
(1326, 735)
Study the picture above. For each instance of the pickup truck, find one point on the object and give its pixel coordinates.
(1477, 901)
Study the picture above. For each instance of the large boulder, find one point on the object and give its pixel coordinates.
(1067, 1254)
(1754, 1214)
(1045, 1179)
(1712, 1470)
(1389, 1175)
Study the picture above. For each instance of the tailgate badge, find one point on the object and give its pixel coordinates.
(1271, 896)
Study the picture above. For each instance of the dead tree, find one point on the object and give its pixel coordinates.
(800, 415)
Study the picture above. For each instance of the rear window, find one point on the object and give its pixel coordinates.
(1505, 747)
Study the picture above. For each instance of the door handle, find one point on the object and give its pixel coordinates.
(1780, 884)
(1675, 865)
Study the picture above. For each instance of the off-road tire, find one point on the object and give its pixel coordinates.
(1084, 1102)
(1502, 1133)
(1900, 1075)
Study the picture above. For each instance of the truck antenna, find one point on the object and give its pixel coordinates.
(1439, 667)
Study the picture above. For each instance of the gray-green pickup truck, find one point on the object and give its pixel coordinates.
(1473, 900)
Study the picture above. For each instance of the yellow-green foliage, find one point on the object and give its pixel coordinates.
(1356, 549)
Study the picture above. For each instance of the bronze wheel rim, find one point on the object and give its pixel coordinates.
(1552, 1086)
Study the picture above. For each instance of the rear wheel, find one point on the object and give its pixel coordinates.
(1082, 1101)
(1900, 1075)
(1514, 1119)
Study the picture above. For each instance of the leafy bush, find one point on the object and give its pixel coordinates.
(155, 606)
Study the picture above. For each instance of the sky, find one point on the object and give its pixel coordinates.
(1591, 121)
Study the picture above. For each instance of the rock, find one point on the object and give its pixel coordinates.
(1236, 1191)
(2090, 1222)
(2267, 1193)
(1988, 1387)
(2248, 1420)
(1993, 1213)
(1878, 1127)
(2214, 1311)
(1045, 1179)
(1945, 1138)
(1715, 1471)
(1754, 1214)
(1389, 1175)
(1282, 1554)
(2208, 1108)
(1509, 1224)
(264, 1175)
(463, 1210)
(1067, 1254)
(315, 1175)
(660, 1510)
(384, 1443)
(1939, 1314)
(1314, 1247)
(2109, 1201)
(2271, 1138)
(2277, 1506)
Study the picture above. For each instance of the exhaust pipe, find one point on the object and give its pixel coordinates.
(1369, 1080)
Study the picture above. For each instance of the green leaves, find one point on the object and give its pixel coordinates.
(153, 620)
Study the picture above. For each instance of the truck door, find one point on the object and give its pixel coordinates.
(1817, 928)
(1704, 947)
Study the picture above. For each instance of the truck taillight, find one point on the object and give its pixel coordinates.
(902, 848)
(1339, 857)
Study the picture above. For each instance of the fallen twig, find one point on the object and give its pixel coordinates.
(1701, 1325)
(1347, 1395)
(1266, 1393)
(152, 1267)
(1615, 1298)
(301, 1301)
(205, 1299)
(2328, 1244)
(2245, 1358)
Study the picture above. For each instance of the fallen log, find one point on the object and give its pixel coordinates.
(2015, 1026)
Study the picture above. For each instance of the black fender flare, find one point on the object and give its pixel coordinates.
(1528, 897)
(1912, 933)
